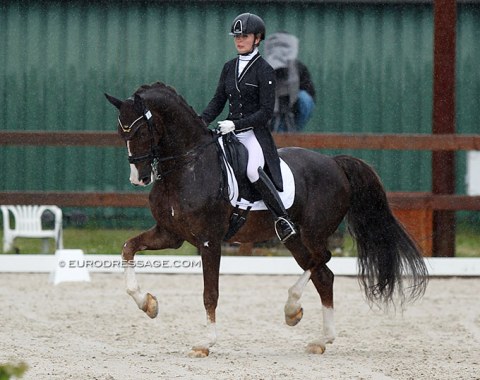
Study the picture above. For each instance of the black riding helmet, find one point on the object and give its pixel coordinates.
(247, 23)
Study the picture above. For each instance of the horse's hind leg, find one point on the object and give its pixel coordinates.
(322, 278)
(151, 239)
(293, 309)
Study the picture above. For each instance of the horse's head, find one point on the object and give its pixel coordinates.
(136, 127)
(156, 125)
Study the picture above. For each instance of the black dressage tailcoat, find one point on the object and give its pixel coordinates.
(251, 99)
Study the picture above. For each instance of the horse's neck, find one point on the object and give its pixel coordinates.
(184, 129)
(195, 162)
(182, 139)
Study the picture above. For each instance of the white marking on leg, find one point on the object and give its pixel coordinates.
(133, 289)
(295, 292)
(211, 332)
(173, 211)
(328, 324)
(202, 349)
(206, 244)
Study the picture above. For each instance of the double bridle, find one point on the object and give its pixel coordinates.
(154, 154)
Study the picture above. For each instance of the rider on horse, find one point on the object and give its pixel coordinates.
(248, 83)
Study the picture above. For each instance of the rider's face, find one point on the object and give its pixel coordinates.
(244, 42)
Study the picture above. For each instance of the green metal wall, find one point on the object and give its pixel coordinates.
(371, 64)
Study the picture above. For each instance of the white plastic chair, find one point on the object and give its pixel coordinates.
(28, 224)
(473, 172)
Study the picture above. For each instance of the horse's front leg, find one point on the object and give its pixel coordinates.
(211, 253)
(155, 238)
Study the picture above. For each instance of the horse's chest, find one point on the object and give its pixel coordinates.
(177, 207)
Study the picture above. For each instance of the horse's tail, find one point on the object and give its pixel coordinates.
(385, 250)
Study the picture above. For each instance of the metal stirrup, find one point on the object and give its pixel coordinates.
(292, 232)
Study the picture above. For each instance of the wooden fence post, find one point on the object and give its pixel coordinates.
(443, 162)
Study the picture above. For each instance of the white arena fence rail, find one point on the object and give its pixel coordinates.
(256, 265)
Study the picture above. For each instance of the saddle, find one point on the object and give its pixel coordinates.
(237, 157)
(241, 193)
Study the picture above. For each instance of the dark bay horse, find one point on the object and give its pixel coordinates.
(169, 145)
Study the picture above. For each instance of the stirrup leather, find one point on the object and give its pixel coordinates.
(284, 229)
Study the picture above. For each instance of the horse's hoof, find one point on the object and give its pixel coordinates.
(317, 348)
(151, 306)
(293, 319)
(199, 352)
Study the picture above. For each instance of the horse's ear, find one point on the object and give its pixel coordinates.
(116, 102)
(138, 104)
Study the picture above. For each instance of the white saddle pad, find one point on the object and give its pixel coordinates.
(287, 195)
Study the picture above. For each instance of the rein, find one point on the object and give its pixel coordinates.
(154, 154)
(191, 153)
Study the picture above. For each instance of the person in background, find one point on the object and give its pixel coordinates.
(295, 92)
(247, 82)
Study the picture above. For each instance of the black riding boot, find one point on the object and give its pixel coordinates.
(283, 226)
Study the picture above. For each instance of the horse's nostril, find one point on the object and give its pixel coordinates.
(146, 180)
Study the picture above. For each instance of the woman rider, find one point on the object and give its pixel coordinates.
(248, 83)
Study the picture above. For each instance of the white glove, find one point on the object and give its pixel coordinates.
(226, 126)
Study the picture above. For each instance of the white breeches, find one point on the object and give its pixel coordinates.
(255, 154)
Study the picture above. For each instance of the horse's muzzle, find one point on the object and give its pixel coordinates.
(146, 180)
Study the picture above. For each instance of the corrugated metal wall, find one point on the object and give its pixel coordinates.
(371, 64)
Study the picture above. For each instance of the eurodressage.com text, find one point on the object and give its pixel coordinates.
(112, 264)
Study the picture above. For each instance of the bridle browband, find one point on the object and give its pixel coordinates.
(128, 128)
(154, 154)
